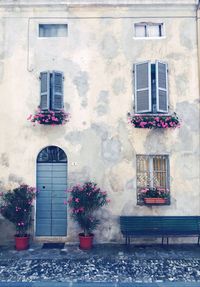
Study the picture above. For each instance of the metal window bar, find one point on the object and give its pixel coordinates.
(152, 171)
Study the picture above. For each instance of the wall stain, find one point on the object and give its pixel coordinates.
(15, 178)
(111, 150)
(82, 85)
(118, 86)
(109, 47)
(4, 160)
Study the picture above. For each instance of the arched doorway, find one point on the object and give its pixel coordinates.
(51, 212)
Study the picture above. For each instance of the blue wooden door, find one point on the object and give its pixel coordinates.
(51, 212)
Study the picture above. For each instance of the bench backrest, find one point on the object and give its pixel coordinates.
(181, 224)
(141, 225)
(160, 225)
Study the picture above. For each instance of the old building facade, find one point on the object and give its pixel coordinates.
(100, 60)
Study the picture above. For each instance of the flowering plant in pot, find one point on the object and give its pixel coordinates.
(16, 206)
(154, 121)
(84, 201)
(154, 195)
(49, 117)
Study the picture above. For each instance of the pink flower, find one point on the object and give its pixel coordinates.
(77, 200)
(144, 190)
(142, 124)
(103, 193)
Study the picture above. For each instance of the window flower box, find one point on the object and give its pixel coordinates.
(49, 117)
(154, 195)
(143, 121)
(151, 200)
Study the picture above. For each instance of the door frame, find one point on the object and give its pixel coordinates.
(48, 238)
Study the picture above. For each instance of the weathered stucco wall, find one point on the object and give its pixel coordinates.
(97, 59)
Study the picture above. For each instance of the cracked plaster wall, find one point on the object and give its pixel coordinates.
(97, 60)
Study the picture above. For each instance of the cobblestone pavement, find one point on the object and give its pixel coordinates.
(72, 284)
(108, 264)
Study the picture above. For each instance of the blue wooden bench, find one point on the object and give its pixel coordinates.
(160, 226)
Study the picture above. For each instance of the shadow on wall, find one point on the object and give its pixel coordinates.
(7, 232)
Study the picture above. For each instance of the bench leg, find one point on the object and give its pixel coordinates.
(198, 240)
(167, 240)
(128, 241)
(162, 240)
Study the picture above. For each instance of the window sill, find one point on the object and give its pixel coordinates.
(149, 38)
(153, 114)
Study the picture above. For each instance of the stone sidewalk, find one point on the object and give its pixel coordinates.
(71, 284)
(112, 265)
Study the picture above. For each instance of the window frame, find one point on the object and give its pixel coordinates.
(51, 23)
(51, 91)
(154, 108)
(151, 172)
(149, 24)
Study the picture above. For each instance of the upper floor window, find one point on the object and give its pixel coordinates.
(53, 30)
(149, 30)
(51, 90)
(151, 87)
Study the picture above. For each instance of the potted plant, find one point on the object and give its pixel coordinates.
(84, 201)
(160, 121)
(16, 206)
(154, 195)
(49, 117)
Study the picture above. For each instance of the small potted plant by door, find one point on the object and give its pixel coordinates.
(154, 195)
(84, 201)
(16, 206)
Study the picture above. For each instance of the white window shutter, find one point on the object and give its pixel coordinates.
(143, 101)
(161, 87)
(44, 90)
(57, 90)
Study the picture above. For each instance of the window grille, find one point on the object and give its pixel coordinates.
(152, 172)
(52, 154)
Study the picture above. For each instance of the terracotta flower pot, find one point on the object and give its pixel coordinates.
(86, 242)
(151, 200)
(22, 243)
